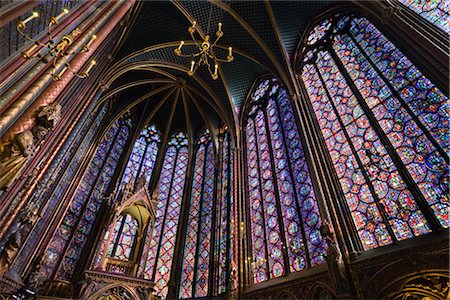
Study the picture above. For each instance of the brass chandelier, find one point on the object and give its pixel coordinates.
(205, 55)
(57, 50)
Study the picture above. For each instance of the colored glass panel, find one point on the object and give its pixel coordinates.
(170, 192)
(224, 213)
(205, 228)
(307, 204)
(283, 208)
(69, 155)
(386, 91)
(371, 227)
(143, 156)
(422, 97)
(187, 275)
(427, 167)
(435, 11)
(404, 216)
(258, 236)
(69, 239)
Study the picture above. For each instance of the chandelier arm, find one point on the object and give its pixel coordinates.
(215, 42)
(28, 37)
(195, 40)
(185, 55)
(222, 60)
(79, 75)
(49, 29)
(209, 70)
(195, 68)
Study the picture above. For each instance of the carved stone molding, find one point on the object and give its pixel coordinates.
(376, 273)
(100, 284)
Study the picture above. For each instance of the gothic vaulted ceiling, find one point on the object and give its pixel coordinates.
(263, 36)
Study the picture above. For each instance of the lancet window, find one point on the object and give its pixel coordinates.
(169, 194)
(283, 211)
(143, 156)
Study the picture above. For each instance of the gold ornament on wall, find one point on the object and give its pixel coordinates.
(58, 51)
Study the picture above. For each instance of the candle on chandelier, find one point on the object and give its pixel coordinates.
(194, 23)
(192, 66)
(91, 41)
(230, 51)
(220, 27)
(91, 65)
(181, 45)
(64, 12)
(60, 74)
(33, 16)
(27, 54)
(216, 66)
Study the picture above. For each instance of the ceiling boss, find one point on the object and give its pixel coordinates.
(205, 55)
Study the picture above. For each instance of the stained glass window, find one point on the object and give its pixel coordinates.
(123, 238)
(64, 165)
(143, 156)
(435, 11)
(170, 194)
(284, 215)
(68, 241)
(195, 269)
(385, 126)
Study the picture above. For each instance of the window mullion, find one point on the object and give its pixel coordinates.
(248, 243)
(141, 163)
(119, 235)
(229, 210)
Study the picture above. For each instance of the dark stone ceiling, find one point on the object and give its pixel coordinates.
(254, 29)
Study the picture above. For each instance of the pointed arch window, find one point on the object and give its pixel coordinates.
(197, 248)
(283, 211)
(143, 156)
(170, 194)
(385, 126)
(435, 11)
(70, 237)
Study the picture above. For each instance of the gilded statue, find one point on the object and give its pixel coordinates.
(15, 153)
(48, 116)
(13, 156)
(46, 119)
